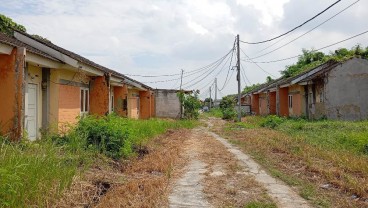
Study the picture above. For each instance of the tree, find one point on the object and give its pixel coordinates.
(7, 25)
(250, 88)
(191, 104)
(269, 79)
(227, 106)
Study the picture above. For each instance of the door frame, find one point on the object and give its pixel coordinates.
(26, 108)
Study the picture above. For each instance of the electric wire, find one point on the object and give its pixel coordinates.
(314, 50)
(278, 48)
(244, 74)
(279, 36)
(257, 64)
(208, 66)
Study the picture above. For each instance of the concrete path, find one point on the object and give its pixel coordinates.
(283, 195)
(187, 191)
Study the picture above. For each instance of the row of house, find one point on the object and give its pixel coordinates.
(333, 90)
(46, 87)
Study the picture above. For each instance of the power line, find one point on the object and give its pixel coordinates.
(206, 75)
(257, 64)
(264, 41)
(305, 32)
(244, 74)
(314, 50)
(208, 66)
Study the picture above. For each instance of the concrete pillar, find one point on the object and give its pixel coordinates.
(12, 85)
(99, 95)
(277, 100)
(45, 98)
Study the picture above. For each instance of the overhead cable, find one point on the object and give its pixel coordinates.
(314, 50)
(305, 32)
(274, 38)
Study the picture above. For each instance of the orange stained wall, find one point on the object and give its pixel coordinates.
(263, 104)
(283, 101)
(69, 105)
(145, 104)
(255, 103)
(120, 94)
(99, 96)
(272, 100)
(297, 106)
(12, 92)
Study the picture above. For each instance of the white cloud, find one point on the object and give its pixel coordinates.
(161, 36)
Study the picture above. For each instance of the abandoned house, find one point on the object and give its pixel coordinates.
(333, 90)
(44, 86)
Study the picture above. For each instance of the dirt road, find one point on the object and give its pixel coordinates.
(220, 175)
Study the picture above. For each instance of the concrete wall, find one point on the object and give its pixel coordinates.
(12, 85)
(99, 96)
(69, 106)
(167, 104)
(346, 91)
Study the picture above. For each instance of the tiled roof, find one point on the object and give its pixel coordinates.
(16, 43)
(82, 59)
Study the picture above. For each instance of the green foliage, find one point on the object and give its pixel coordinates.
(269, 79)
(272, 121)
(191, 105)
(33, 174)
(310, 59)
(215, 112)
(227, 106)
(250, 88)
(7, 25)
(256, 204)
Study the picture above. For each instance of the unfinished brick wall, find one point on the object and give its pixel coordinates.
(69, 105)
(153, 108)
(263, 104)
(12, 87)
(99, 96)
(255, 104)
(120, 96)
(272, 103)
(283, 99)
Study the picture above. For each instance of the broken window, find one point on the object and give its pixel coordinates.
(290, 101)
(84, 100)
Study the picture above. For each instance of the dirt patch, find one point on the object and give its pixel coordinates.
(147, 178)
(140, 182)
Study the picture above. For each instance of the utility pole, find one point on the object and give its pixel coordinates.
(215, 92)
(238, 77)
(210, 99)
(181, 78)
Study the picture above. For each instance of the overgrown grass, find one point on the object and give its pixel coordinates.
(214, 112)
(260, 205)
(309, 154)
(35, 174)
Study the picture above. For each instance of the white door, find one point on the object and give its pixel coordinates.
(31, 119)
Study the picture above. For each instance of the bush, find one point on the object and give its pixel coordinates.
(191, 105)
(227, 106)
(272, 121)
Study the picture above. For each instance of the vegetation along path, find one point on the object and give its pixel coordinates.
(219, 175)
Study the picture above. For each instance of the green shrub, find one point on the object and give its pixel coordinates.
(272, 121)
(227, 106)
(191, 105)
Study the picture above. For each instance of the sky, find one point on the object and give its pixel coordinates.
(161, 37)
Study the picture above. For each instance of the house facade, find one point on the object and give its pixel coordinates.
(45, 87)
(333, 90)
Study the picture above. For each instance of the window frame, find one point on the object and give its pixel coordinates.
(84, 100)
(290, 101)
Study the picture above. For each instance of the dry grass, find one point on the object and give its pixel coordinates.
(226, 183)
(147, 178)
(342, 175)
